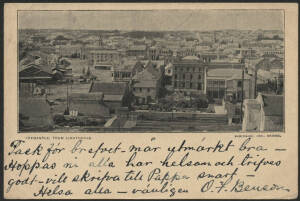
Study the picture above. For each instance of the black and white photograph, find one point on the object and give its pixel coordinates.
(151, 71)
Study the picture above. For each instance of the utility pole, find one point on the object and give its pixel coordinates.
(255, 82)
(243, 75)
(67, 111)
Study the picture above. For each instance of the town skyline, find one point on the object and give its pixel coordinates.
(151, 71)
(162, 20)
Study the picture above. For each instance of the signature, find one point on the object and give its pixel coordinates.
(240, 186)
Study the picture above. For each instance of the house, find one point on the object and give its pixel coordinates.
(222, 83)
(245, 52)
(126, 70)
(137, 50)
(265, 113)
(70, 50)
(37, 39)
(269, 63)
(272, 52)
(153, 53)
(146, 84)
(88, 104)
(225, 64)
(104, 56)
(115, 94)
(63, 70)
(189, 75)
(60, 40)
(269, 69)
(207, 57)
(30, 59)
(34, 73)
(165, 53)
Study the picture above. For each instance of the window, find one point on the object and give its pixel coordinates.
(222, 83)
(133, 89)
(140, 89)
(191, 76)
(183, 76)
(169, 71)
(216, 83)
(148, 90)
(183, 84)
(175, 84)
(193, 69)
(191, 85)
(175, 76)
(199, 76)
(199, 86)
(239, 83)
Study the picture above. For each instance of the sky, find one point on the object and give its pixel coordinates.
(153, 20)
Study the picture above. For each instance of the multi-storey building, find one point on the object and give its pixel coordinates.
(147, 84)
(137, 50)
(189, 75)
(107, 56)
(225, 82)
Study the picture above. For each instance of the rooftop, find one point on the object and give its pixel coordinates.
(113, 97)
(190, 58)
(138, 47)
(146, 84)
(108, 88)
(225, 73)
(35, 68)
(86, 96)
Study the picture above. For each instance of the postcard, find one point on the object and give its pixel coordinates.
(150, 101)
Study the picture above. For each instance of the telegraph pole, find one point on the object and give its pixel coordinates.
(255, 83)
(243, 75)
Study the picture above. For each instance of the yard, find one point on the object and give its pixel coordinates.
(78, 65)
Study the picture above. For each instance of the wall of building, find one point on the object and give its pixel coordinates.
(121, 76)
(145, 92)
(90, 108)
(188, 77)
(113, 105)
